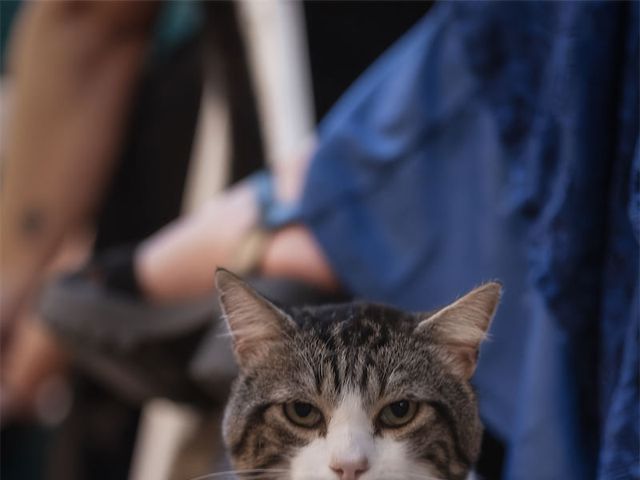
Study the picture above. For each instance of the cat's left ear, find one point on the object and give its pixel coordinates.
(461, 327)
(256, 325)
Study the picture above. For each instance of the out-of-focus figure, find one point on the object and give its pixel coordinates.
(148, 57)
(493, 140)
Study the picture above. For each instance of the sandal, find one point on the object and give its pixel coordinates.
(178, 351)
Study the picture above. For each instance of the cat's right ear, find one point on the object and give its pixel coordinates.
(461, 326)
(256, 325)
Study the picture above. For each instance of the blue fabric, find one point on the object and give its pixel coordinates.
(500, 140)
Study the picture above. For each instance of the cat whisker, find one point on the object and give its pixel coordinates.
(402, 476)
(224, 335)
(419, 475)
(239, 474)
(279, 473)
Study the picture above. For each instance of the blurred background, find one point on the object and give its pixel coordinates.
(397, 151)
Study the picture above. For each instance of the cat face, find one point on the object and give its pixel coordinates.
(353, 391)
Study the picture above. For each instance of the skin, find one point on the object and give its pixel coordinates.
(64, 139)
(34, 355)
(177, 263)
(74, 67)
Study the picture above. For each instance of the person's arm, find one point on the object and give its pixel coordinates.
(73, 67)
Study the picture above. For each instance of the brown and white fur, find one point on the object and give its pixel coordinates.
(353, 391)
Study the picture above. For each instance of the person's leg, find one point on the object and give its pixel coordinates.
(73, 66)
(178, 263)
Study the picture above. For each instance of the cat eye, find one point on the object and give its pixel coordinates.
(302, 414)
(398, 414)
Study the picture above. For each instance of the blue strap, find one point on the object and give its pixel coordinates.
(274, 214)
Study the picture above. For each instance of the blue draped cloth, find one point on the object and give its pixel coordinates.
(500, 140)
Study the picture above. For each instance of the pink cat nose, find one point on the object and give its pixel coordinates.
(349, 469)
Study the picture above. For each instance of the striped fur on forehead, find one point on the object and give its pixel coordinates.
(355, 346)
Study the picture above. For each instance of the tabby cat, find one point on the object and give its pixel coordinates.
(353, 391)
